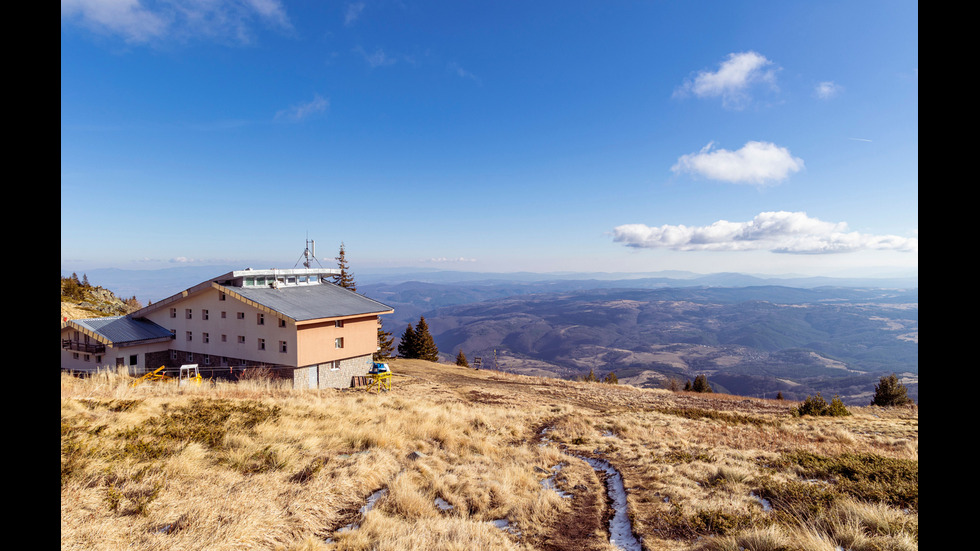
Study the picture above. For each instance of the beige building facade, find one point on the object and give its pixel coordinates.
(293, 322)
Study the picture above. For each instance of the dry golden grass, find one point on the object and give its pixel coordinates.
(257, 465)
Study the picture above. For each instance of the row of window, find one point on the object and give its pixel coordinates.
(206, 338)
(98, 358)
(205, 314)
(259, 316)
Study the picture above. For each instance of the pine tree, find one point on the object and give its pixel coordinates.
(386, 347)
(408, 345)
(611, 379)
(461, 359)
(425, 345)
(344, 279)
(890, 392)
(701, 384)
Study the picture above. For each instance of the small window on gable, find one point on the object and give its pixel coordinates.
(188, 313)
(221, 296)
(282, 323)
(173, 312)
(260, 318)
(338, 323)
(204, 314)
(241, 315)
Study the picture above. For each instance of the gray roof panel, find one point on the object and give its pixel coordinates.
(309, 302)
(122, 329)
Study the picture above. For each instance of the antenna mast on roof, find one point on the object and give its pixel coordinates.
(308, 254)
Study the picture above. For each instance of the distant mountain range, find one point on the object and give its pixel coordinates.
(751, 335)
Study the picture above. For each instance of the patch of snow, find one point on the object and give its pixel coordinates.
(549, 483)
(620, 529)
(443, 504)
(504, 525)
(766, 506)
(371, 500)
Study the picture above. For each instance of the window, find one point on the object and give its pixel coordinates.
(132, 359)
(260, 318)
(74, 355)
(188, 313)
(86, 358)
(224, 314)
(261, 344)
(338, 342)
(204, 314)
(207, 359)
(241, 339)
(241, 315)
(98, 358)
(221, 296)
(173, 354)
(173, 333)
(282, 323)
(190, 336)
(338, 323)
(173, 312)
(190, 357)
(282, 346)
(224, 338)
(205, 337)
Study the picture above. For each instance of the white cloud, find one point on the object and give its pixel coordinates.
(828, 90)
(778, 232)
(733, 79)
(353, 12)
(377, 59)
(304, 110)
(757, 163)
(142, 21)
(463, 73)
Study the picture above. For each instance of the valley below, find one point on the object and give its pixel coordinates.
(762, 341)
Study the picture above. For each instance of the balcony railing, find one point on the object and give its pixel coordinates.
(88, 347)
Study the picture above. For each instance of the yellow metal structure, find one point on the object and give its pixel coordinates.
(155, 375)
(189, 375)
(379, 382)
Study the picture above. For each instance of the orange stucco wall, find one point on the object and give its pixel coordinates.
(316, 341)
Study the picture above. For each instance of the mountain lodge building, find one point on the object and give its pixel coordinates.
(293, 321)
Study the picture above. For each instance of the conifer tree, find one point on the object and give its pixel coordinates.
(611, 379)
(386, 348)
(701, 384)
(461, 359)
(425, 345)
(344, 279)
(408, 345)
(890, 392)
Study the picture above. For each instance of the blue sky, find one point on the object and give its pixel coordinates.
(758, 137)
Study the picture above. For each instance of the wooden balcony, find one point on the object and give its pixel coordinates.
(87, 347)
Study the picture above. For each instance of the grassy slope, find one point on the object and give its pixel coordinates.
(256, 466)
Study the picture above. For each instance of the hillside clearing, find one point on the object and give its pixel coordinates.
(460, 454)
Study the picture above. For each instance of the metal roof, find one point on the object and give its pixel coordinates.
(122, 329)
(309, 302)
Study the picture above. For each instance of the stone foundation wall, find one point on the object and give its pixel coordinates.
(336, 374)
